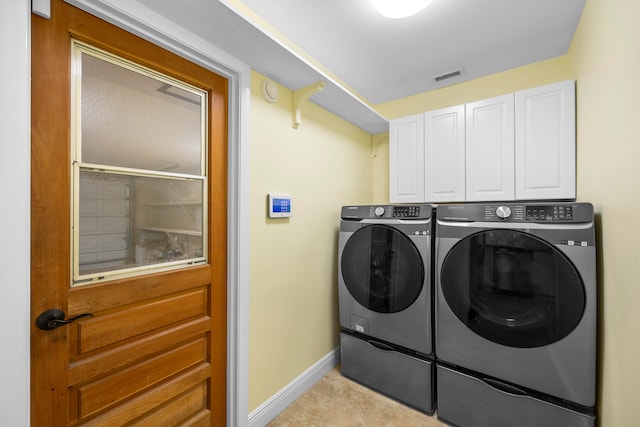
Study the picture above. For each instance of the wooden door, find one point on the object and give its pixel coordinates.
(154, 352)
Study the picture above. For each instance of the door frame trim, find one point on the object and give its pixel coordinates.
(15, 179)
(138, 20)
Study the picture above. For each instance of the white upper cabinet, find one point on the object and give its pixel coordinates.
(490, 149)
(519, 146)
(406, 159)
(545, 142)
(444, 161)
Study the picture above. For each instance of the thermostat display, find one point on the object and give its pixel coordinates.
(279, 205)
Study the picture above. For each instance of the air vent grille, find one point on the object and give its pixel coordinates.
(447, 76)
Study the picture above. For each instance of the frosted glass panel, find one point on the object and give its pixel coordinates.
(135, 120)
(133, 221)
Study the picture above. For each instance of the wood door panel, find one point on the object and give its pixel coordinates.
(155, 400)
(130, 352)
(112, 295)
(178, 410)
(125, 324)
(104, 393)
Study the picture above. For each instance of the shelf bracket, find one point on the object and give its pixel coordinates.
(301, 95)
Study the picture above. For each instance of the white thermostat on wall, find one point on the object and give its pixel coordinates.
(279, 205)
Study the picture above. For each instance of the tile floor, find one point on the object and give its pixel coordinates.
(335, 401)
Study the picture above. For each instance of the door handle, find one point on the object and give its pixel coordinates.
(54, 318)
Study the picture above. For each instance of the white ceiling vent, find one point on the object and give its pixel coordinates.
(447, 76)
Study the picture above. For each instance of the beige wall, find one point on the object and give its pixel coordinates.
(324, 164)
(537, 74)
(605, 55)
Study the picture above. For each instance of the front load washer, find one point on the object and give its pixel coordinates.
(385, 300)
(516, 313)
(384, 287)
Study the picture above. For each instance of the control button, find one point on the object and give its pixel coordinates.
(503, 212)
(406, 211)
(379, 211)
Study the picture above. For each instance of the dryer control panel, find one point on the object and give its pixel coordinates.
(563, 212)
(549, 213)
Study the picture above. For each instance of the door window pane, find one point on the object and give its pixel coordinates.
(137, 120)
(139, 169)
(134, 221)
(512, 288)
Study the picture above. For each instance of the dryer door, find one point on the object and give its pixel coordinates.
(512, 288)
(382, 269)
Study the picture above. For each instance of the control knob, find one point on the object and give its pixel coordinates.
(503, 212)
(379, 211)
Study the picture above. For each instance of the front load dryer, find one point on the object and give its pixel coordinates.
(385, 300)
(516, 314)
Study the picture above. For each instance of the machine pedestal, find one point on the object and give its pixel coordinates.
(466, 400)
(388, 370)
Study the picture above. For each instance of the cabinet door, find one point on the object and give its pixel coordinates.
(406, 159)
(444, 155)
(546, 142)
(490, 149)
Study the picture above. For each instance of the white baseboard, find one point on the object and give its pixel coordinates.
(270, 409)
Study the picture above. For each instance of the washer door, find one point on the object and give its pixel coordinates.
(382, 269)
(512, 288)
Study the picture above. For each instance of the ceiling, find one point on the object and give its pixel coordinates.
(366, 59)
(385, 59)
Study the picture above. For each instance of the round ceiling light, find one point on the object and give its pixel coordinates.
(397, 9)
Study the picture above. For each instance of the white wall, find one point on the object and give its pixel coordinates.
(14, 210)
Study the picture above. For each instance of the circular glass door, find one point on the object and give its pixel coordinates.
(512, 288)
(382, 269)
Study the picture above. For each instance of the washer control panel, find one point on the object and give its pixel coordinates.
(412, 211)
(386, 212)
(406, 211)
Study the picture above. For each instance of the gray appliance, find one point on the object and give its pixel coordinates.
(516, 314)
(385, 300)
